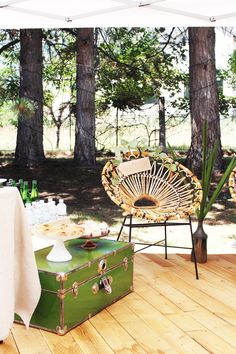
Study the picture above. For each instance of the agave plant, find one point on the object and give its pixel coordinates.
(200, 237)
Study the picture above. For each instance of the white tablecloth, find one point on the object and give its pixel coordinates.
(19, 281)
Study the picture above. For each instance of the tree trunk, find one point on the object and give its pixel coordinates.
(200, 244)
(58, 136)
(84, 151)
(29, 147)
(117, 126)
(204, 103)
(162, 124)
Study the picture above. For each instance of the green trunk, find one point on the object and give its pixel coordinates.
(74, 291)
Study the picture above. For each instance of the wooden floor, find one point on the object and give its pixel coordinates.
(168, 312)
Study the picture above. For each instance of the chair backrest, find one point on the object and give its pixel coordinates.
(166, 190)
(232, 184)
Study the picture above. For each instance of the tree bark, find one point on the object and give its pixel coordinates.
(162, 124)
(29, 147)
(84, 151)
(58, 136)
(117, 126)
(204, 103)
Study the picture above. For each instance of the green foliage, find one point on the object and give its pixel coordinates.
(59, 72)
(232, 69)
(24, 107)
(171, 151)
(9, 68)
(207, 176)
(226, 104)
(135, 65)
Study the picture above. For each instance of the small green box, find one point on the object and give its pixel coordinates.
(74, 291)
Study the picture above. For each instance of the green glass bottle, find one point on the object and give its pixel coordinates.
(25, 193)
(13, 183)
(21, 187)
(34, 191)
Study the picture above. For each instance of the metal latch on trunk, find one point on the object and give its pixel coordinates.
(75, 289)
(104, 283)
(102, 266)
(125, 263)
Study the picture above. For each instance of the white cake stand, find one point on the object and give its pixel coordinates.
(52, 231)
(59, 252)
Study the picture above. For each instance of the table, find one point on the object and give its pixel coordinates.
(20, 287)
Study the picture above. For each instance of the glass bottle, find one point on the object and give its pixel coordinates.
(34, 191)
(25, 193)
(21, 186)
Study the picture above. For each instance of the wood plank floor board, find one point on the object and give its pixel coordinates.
(212, 273)
(147, 338)
(61, 344)
(169, 312)
(216, 325)
(200, 298)
(185, 321)
(160, 302)
(220, 290)
(222, 266)
(9, 346)
(214, 289)
(211, 342)
(174, 293)
(225, 261)
(230, 259)
(224, 272)
(196, 328)
(114, 334)
(90, 340)
(181, 342)
(29, 341)
(145, 266)
(225, 312)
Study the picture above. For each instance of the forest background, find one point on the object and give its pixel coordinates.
(98, 84)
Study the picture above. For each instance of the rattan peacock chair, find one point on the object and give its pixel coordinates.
(155, 190)
(232, 184)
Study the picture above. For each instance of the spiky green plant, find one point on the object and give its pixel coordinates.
(207, 176)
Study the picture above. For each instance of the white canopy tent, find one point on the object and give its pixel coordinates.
(115, 13)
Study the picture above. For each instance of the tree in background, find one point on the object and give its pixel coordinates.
(84, 151)
(9, 75)
(59, 77)
(29, 147)
(135, 65)
(204, 102)
(232, 69)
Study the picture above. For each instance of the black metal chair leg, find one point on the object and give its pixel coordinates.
(130, 227)
(193, 248)
(165, 230)
(121, 228)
